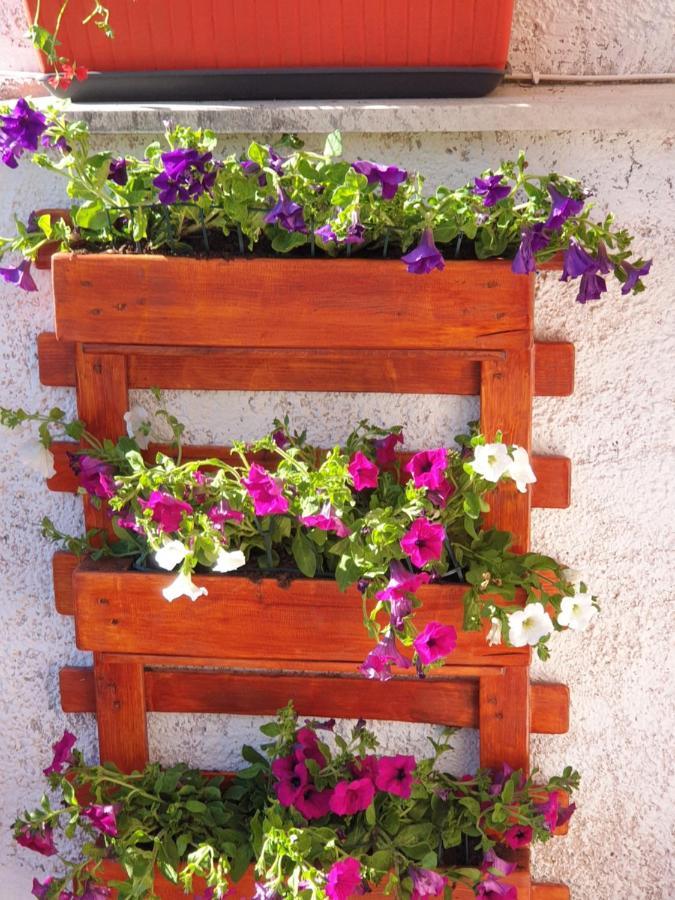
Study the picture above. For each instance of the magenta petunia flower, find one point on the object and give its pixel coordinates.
(428, 468)
(326, 520)
(426, 883)
(344, 879)
(102, 818)
(633, 275)
(423, 541)
(562, 209)
(265, 892)
(395, 775)
(385, 448)
(531, 241)
(496, 865)
(401, 582)
(549, 810)
(95, 476)
(378, 663)
(167, 511)
(265, 491)
(425, 256)
(350, 797)
(312, 803)
(365, 767)
(307, 747)
(364, 472)
(491, 189)
(286, 214)
(63, 755)
(491, 889)
(442, 494)
(500, 777)
(435, 642)
(19, 275)
(517, 836)
(94, 891)
(40, 888)
(222, 512)
(388, 176)
(41, 839)
(292, 776)
(118, 171)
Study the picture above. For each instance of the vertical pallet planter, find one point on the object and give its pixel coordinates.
(273, 324)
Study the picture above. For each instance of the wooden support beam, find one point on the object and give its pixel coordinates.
(504, 720)
(121, 713)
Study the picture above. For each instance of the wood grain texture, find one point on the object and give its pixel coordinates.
(233, 303)
(121, 714)
(440, 700)
(310, 620)
(550, 892)
(504, 720)
(552, 489)
(63, 566)
(404, 371)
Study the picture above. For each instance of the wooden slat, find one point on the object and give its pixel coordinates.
(504, 720)
(403, 371)
(63, 566)
(437, 700)
(552, 489)
(550, 892)
(124, 612)
(292, 303)
(121, 714)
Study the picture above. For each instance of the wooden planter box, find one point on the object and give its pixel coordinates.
(290, 303)
(252, 624)
(222, 49)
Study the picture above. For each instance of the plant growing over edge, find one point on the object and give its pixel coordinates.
(353, 514)
(184, 200)
(318, 816)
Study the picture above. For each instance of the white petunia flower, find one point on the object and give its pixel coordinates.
(228, 561)
(37, 457)
(139, 425)
(183, 587)
(520, 469)
(577, 612)
(491, 461)
(494, 635)
(170, 554)
(529, 625)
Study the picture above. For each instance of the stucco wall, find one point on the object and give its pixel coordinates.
(577, 37)
(614, 428)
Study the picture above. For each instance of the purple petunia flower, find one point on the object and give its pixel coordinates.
(363, 471)
(531, 241)
(385, 448)
(275, 162)
(41, 888)
(63, 754)
(562, 209)
(377, 665)
(20, 130)
(428, 468)
(59, 144)
(423, 542)
(350, 797)
(20, 276)
(496, 865)
(94, 475)
(326, 520)
(222, 512)
(265, 892)
(425, 257)
(286, 214)
(388, 176)
(185, 176)
(95, 891)
(426, 883)
(344, 879)
(167, 511)
(265, 491)
(435, 642)
(103, 818)
(395, 775)
(517, 836)
(41, 839)
(118, 171)
(491, 189)
(355, 232)
(578, 263)
(633, 275)
(491, 889)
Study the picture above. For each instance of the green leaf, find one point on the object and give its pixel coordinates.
(91, 218)
(304, 555)
(195, 806)
(371, 817)
(333, 145)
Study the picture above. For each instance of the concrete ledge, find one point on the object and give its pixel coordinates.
(512, 107)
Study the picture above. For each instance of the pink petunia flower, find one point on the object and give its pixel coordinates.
(63, 755)
(395, 775)
(265, 491)
(428, 468)
(517, 836)
(350, 797)
(344, 879)
(423, 542)
(364, 472)
(435, 642)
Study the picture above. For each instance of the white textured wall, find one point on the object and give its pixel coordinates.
(587, 37)
(614, 428)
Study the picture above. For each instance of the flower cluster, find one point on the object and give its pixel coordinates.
(360, 514)
(318, 815)
(183, 199)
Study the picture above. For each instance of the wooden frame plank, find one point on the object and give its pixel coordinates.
(173, 301)
(121, 714)
(405, 371)
(504, 720)
(172, 690)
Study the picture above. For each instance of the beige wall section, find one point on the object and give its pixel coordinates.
(589, 37)
(614, 428)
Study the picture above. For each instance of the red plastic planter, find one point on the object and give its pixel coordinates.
(226, 48)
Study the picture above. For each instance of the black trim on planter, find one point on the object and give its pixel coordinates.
(282, 84)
